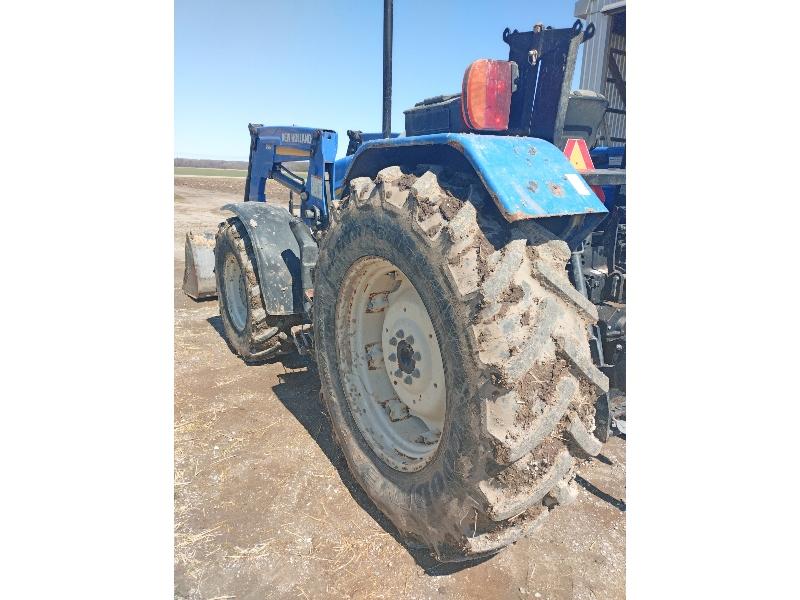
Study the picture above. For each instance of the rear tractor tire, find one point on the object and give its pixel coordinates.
(454, 360)
(250, 332)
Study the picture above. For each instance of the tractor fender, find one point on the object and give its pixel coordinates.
(277, 255)
(527, 178)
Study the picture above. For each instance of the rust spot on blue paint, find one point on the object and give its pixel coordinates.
(457, 145)
(555, 189)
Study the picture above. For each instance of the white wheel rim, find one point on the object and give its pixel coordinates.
(235, 297)
(391, 364)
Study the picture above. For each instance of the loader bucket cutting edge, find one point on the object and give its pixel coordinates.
(199, 281)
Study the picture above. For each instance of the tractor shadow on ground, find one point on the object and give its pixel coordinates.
(201, 300)
(290, 361)
(216, 323)
(597, 492)
(311, 414)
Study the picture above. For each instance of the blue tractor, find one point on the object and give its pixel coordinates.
(437, 278)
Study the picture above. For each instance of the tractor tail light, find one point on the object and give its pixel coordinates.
(486, 94)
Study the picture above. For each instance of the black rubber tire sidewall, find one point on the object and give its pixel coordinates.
(238, 339)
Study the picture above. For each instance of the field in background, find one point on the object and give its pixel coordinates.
(300, 169)
(211, 172)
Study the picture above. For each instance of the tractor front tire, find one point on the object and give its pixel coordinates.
(250, 332)
(454, 360)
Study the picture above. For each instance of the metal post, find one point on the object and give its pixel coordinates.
(387, 67)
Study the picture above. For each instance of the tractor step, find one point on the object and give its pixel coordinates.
(303, 339)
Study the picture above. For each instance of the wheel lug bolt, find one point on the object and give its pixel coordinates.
(393, 357)
(398, 373)
(416, 373)
(410, 339)
(393, 341)
(417, 356)
(407, 380)
(400, 333)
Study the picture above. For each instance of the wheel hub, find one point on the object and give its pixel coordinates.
(404, 355)
(411, 360)
(392, 365)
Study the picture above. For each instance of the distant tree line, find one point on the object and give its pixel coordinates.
(207, 163)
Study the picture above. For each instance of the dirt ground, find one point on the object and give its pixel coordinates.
(266, 508)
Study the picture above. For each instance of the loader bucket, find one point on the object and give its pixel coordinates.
(198, 276)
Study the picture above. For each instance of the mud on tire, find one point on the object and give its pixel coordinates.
(249, 330)
(521, 385)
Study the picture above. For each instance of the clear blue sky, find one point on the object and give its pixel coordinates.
(319, 63)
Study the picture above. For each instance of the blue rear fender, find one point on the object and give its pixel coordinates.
(527, 178)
